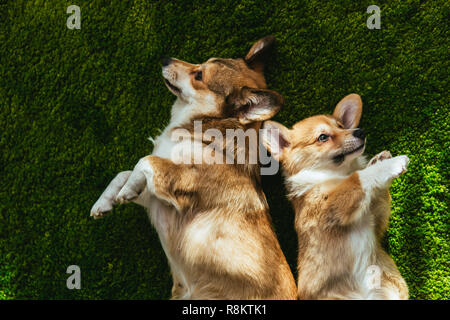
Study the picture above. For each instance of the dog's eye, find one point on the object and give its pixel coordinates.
(323, 138)
(198, 76)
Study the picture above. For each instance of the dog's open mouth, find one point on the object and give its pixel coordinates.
(340, 157)
(173, 88)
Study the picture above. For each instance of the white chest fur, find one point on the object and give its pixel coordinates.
(162, 215)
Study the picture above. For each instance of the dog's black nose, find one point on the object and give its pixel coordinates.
(166, 61)
(359, 133)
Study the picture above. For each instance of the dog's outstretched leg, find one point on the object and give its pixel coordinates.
(352, 197)
(382, 172)
(380, 157)
(107, 200)
(141, 177)
(137, 185)
(161, 178)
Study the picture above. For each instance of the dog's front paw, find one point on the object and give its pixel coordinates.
(397, 166)
(381, 174)
(136, 182)
(380, 157)
(107, 201)
(126, 195)
(101, 208)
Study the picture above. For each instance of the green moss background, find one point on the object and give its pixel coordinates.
(77, 106)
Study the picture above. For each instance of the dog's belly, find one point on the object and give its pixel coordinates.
(164, 216)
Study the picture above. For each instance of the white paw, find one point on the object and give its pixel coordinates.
(106, 201)
(397, 165)
(137, 181)
(126, 195)
(101, 208)
(380, 157)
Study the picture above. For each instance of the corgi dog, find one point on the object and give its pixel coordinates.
(212, 218)
(342, 205)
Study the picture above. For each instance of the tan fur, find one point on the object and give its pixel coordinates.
(339, 222)
(303, 137)
(222, 234)
(324, 222)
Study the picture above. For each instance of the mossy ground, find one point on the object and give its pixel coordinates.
(77, 106)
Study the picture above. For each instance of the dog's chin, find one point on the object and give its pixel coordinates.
(349, 155)
(172, 88)
(357, 152)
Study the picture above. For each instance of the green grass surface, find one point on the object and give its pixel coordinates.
(77, 106)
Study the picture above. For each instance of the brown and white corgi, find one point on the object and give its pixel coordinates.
(212, 219)
(342, 205)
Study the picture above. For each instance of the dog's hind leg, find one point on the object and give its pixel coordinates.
(107, 200)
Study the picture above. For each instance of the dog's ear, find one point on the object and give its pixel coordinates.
(257, 55)
(252, 105)
(349, 111)
(275, 137)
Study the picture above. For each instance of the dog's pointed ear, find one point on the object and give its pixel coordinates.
(257, 55)
(253, 105)
(275, 138)
(349, 111)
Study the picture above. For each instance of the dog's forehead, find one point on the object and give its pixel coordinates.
(235, 64)
(225, 74)
(223, 80)
(308, 128)
(313, 122)
(226, 68)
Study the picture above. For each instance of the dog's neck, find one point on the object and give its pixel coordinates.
(184, 111)
(304, 180)
(184, 115)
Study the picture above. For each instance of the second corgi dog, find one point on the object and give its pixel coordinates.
(342, 205)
